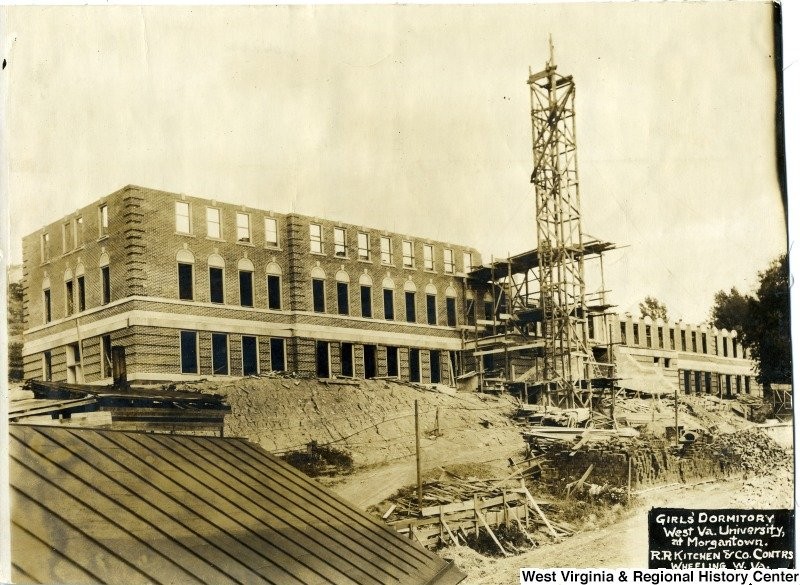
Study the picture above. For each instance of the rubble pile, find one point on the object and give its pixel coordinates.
(749, 450)
(618, 462)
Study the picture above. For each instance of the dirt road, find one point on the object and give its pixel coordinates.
(624, 544)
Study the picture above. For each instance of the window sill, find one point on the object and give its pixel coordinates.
(275, 247)
(248, 244)
(338, 257)
(213, 239)
(318, 254)
(185, 234)
(365, 260)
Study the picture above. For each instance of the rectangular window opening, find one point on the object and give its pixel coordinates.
(363, 246)
(103, 220)
(185, 281)
(370, 361)
(277, 354)
(245, 288)
(106, 277)
(81, 294)
(343, 298)
(427, 256)
(105, 357)
(318, 293)
(323, 359)
(430, 305)
(274, 292)
(183, 223)
(408, 254)
(213, 223)
(388, 304)
(366, 301)
(392, 362)
(216, 284)
(243, 227)
(271, 232)
(347, 360)
(219, 354)
(70, 296)
(78, 232)
(449, 262)
(249, 355)
(411, 309)
(339, 242)
(188, 352)
(386, 250)
(414, 374)
(436, 366)
(315, 233)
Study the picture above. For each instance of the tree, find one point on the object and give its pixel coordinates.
(762, 321)
(768, 337)
(731, 311)
(653, 308)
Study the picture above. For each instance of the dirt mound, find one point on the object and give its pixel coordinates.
(373, 420)
(750, 450)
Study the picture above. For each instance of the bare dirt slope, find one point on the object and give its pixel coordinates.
(373, 420)
(624, 544)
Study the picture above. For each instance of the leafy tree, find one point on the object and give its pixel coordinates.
(762, 321)
(653, 308)
(768, 334)
(731, 311)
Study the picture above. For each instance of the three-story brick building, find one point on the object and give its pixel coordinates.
(175, 287)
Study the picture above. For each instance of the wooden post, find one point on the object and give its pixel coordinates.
(438, 429)
(630, 466)
(419, 461)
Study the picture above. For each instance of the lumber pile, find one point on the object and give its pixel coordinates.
(498, 513)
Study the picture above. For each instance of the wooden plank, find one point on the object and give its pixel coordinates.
(581, 481)
(491, 533)
(452, 536)
(538, 510)
(465, 505)
(388, 512)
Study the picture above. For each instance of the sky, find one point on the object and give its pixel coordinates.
(415, 119)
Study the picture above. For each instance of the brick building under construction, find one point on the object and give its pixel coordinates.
(149, 285)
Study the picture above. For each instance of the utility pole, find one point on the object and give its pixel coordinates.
(419, 460)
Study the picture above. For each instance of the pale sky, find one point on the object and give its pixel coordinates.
(415, 119)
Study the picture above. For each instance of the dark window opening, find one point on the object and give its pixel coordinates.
(704, 343)
(666, 362)
(81, 294)
(590, 323)
(342, 298)
(648, 336)
(106, 366)
(277, 354)
(724, 347)
(70, 297)
(388, 304)
(635, 334)
(366, 301)
(48, 312)
(219, 353)
(687, 383)
(274, 292)
(747, 384)
(470, 312)
(708, 382)
(450, 304)
(683, 340)
(323, 360)
(411, 310)
(672, 339)
(392, 362)
(246, 288)
(694, 341)
(430, 301)
(370, 361)
(106, 284)
(216, 285)
(697, 383)
(728, 385)
(188, 352)
(413, 365)
(47, 367)
(249, 355)
(185, 282)
(660, 337)
(347, 360)
(488, 310)
(623, 333)
(436, 366)
(318, 293)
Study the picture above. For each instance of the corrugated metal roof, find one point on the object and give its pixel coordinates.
(108, 506)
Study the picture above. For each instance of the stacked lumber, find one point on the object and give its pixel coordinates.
(461, 511)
